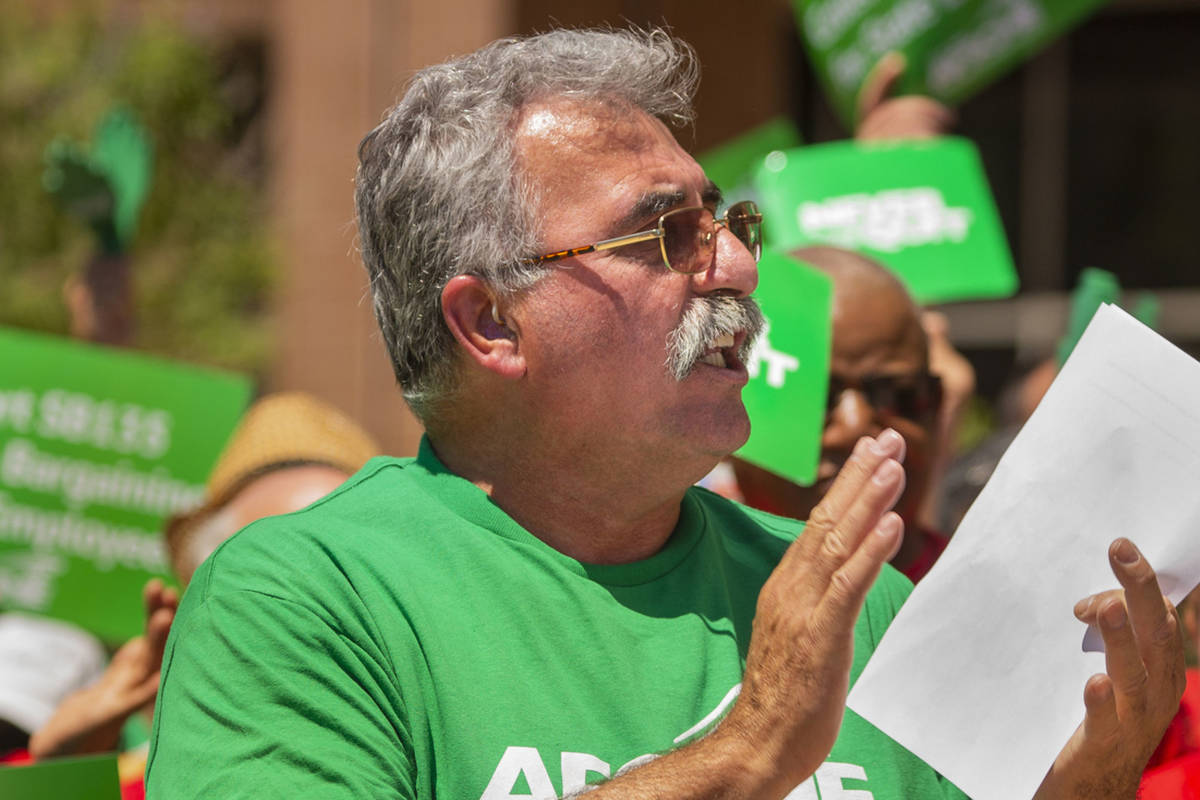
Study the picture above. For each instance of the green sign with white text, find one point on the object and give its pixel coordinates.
(923, 209)
(97, 447)
(789, 369)
(953, 48)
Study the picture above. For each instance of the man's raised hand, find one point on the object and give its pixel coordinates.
(798, 666)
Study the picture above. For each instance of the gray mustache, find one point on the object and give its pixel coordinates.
(704, 320)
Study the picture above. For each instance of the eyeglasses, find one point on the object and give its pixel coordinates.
(687, 237)
(914, 396)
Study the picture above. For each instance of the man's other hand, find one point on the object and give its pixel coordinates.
(798, 666)
(1131, 704)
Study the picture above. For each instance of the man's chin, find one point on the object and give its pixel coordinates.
(734, 432)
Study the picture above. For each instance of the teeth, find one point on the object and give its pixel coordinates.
(724, 341)
(715, 359)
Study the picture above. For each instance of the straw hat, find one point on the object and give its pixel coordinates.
(280, 430)
(287, 429)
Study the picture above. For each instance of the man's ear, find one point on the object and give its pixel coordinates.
(472, 312)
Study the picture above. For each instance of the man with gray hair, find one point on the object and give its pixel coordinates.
(540, 600)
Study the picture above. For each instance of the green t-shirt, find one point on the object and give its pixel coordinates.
(405, 638)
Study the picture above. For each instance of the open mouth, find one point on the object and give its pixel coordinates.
(723, 352)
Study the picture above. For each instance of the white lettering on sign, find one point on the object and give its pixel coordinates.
(888, 221)
(27, 580)
(848, 67)
(825, 23)
(16, 409)
(107, 546)
(778, 363)
(965, 56)
(894, 29)
(125, 428)
(81, 483)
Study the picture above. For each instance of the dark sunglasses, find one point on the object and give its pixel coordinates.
(913, 396)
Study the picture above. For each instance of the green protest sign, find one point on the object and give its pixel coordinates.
(953, 48)
(732, 165)
(789, 369)
(924, 209)
(97, 447)
(89, 778)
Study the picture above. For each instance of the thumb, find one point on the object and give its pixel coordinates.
(880, 82)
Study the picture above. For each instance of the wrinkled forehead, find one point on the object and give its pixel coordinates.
(572, 148)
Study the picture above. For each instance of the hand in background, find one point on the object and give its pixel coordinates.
(882, 117)
(958, 385)
(90, 720)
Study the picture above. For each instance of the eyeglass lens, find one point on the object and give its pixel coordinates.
(745, 223)
(689, 235)
(688, 239)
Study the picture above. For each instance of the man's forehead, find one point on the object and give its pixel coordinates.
(584, 124)
(612, 158)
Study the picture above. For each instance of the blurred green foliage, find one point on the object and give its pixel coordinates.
(202, 261)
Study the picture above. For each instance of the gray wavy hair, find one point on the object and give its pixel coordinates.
(437, 192)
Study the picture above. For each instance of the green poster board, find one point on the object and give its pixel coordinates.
(97, 447)
(923, 209)
(789, 369)
(732, 165)
(90, 778)
(953, 47)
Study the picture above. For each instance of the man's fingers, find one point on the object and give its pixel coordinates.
(1101, 722)
(158, 627)
(880, 82)
(1156, 627)
(877, 495)
(867, 456)
(867, 486)
(849, 584)
(1121, 657)
(1085, 609)
(144, 692)
(841, 542)
(152, 594)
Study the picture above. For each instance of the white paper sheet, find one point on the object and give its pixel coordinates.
(981, 675)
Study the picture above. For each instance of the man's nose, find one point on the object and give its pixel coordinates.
(851, 418)
(733, 269)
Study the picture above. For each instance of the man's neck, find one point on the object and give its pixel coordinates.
(595, 512)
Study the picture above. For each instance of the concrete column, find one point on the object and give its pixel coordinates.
(335, 68)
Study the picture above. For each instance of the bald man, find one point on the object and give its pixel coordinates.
(879, 378)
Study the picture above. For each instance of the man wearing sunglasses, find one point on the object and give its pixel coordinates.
(879, 378)
(540, 600)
